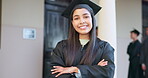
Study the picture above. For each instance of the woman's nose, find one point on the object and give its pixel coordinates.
(82, 21)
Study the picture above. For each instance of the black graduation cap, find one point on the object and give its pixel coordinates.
(135, 31)
(69, 9)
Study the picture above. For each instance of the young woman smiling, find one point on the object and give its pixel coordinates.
(82, 55)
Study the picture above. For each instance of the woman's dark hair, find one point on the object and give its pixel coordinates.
(74, 43)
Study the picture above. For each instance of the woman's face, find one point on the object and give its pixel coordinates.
(82, 21)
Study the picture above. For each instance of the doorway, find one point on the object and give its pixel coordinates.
(55, 29)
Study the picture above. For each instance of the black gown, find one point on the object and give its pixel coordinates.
(144, 55)
(104, 51)
(133, 51)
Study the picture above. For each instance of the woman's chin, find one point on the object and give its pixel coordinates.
(83, 33)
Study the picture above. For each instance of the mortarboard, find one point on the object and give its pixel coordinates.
(135, 31)
(96, 8)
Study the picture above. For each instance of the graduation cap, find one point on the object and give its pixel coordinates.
(135, 31)
(70, 8)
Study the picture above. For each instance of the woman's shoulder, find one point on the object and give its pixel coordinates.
(62, 42)
(103, 44)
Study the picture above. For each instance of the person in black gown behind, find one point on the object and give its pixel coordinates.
(144, 54)
(82, 55)
(133, 51)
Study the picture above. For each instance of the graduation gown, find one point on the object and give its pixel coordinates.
(133, 51)
(144, 55)
(104, 51)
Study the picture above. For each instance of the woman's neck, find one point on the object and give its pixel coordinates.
(84, 36)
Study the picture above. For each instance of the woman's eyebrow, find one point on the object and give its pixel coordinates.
(85, 14)
(75, 15)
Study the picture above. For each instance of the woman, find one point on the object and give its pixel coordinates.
(82, 55)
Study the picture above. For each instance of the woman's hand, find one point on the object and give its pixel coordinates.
(103, 63)
(63, 70)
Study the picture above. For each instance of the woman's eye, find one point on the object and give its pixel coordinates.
(86, 16)
(76, 18)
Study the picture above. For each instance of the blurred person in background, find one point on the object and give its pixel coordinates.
(144, 54)
(133, 51)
